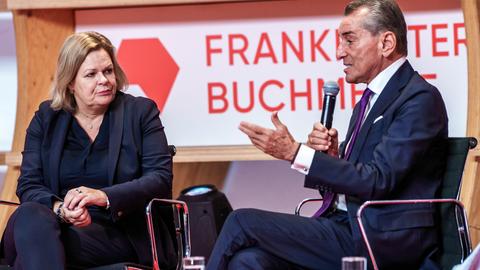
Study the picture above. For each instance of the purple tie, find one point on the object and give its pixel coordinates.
(329, 196)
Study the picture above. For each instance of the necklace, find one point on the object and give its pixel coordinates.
(86, 121)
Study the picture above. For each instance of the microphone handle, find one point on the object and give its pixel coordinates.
(327, 112)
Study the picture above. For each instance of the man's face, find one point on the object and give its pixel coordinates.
(359, 49)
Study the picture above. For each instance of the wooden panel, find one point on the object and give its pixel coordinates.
(471, 184)
(3, 5)
(44, 4)
(39, 36)
(190, 174)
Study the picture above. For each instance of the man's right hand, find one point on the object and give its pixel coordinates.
(322, 139)
(278, 142)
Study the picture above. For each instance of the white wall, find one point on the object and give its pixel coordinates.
(269, 185)
(8, 79)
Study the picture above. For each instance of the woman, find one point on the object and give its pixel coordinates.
(93, 158)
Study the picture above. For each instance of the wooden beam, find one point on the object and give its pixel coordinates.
(471, 183)
(219, 153)
(13, 159)
(75, 4)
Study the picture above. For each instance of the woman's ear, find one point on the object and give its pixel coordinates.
(388, 43)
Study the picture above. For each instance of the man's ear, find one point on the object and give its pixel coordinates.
(388, 42)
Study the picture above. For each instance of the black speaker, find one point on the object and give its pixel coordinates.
(208, 209)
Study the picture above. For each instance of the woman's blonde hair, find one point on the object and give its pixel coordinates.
(72, 54)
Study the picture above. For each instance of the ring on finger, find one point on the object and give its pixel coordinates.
(78, 190)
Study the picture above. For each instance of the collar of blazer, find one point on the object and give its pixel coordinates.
(116, 132)
(59, 134)
(392, 90)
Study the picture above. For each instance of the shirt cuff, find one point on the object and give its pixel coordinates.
(303, 160)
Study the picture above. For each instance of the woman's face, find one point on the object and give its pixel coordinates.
(94, 86)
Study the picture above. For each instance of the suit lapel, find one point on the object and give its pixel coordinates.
(389, 94)
(116, 133)
(58, 140)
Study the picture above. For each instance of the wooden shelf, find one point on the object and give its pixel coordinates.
(184, 154)
(219, 153)
(77, 4)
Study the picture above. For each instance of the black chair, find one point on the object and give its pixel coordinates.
(452, 222)
(169, 231)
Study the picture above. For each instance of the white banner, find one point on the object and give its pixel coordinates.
(209, 68)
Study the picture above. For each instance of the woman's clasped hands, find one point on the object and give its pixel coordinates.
(74, 207)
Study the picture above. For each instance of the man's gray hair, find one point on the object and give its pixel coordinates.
(384, 15)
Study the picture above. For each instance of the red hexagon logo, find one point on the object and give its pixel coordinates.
(147, 63)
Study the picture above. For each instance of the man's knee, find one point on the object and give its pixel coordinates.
(248, 258)
(255, 258)
(243, 216)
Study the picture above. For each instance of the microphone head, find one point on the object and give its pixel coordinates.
(331, 88)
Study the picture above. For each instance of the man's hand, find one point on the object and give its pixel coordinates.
(322, 139)
(278, 143)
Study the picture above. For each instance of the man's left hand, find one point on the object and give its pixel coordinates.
(277, 142)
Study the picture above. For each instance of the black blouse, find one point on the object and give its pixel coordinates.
(84, 163)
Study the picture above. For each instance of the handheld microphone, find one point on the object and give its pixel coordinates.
(330, 92)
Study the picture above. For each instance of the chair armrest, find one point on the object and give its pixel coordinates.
(181, 229)
(172, 149)
(307, 200)
(367, 204)
(2, 202)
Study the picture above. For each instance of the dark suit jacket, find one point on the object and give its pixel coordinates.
(400, 156)
(140, 165)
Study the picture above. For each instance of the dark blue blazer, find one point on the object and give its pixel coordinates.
(399, 154)
(140, 164)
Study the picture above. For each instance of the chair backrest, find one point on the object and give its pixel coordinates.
(455, 245)
(169, 229)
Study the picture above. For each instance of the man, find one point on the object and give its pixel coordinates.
(393, 150)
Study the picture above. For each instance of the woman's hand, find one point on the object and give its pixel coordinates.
(322, 139)
(79, 217)
(83, 196)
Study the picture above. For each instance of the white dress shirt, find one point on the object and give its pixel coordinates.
(305, 154)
